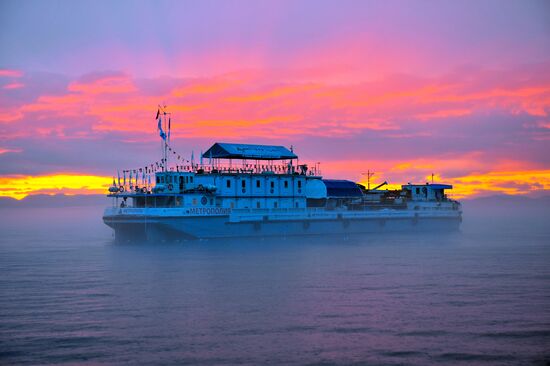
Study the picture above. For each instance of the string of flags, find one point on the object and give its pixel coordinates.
(155, 166)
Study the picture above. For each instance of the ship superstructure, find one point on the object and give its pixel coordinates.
(245, 190)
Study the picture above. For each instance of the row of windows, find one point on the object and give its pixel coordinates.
(259, 205)
(205, 201)
(259, 183)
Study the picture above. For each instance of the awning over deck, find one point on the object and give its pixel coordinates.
(342, 188)
(221, 150)
(429, 185)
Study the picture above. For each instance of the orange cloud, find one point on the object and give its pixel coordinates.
(471, 185)
(20, 186)
(105, 85)
(276, 92)
(208, 86)
(501, 182)
(256, 105)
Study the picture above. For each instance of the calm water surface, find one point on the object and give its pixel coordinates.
(69, 295)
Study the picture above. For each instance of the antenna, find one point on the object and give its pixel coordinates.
(369, 174)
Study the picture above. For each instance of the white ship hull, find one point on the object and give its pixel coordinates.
(178, 224)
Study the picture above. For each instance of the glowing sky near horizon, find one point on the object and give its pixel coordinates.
(404, 88)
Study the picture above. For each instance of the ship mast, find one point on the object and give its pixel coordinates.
(165, 136)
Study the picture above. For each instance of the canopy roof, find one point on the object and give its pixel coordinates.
(342, 188)
(441, 186)
(432, 185)
(222, 150)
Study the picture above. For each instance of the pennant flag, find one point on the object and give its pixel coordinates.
(161, 132)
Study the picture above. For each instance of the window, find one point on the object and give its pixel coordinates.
(272, 185)
(417, 190)
(297, 205)
(299, 184)
(258, 183)
(162, 179)
(286, 183)
(158, 179)
(243, 183)
(194, 201)
(274, 204)
(190, 179)
(258, 205)
(228, 183)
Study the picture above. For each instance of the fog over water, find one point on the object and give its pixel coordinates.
(68, 294)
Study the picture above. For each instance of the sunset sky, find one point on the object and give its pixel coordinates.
(460, 89)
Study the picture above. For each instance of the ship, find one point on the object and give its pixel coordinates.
(245, 190)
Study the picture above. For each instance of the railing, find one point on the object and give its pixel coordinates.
(244, 167)
(147, 181)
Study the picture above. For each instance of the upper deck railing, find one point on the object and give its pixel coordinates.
(248, 168)
(144, 180)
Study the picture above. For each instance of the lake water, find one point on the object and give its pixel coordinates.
(68, 294)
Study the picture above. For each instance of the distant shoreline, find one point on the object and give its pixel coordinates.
(59, 200)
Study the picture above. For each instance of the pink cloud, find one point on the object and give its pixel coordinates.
(244, 105)
(11, 73)
(13, 86)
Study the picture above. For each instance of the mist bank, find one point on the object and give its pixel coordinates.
(506, 205)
